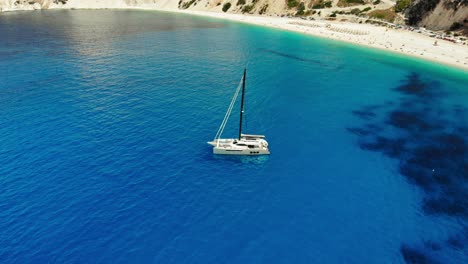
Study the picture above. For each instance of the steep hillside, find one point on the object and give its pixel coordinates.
(283, 7)
(438, 14)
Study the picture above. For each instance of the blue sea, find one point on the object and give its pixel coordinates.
(105, 115)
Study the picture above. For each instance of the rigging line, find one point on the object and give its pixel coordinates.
(223, 125)
(228, 113)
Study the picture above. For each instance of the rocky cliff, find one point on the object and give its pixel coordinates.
(438, 14)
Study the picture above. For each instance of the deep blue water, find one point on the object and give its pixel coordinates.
(104, 118)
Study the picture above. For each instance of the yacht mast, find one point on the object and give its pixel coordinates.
(242, 103)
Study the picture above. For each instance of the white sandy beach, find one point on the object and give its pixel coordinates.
(395, 40)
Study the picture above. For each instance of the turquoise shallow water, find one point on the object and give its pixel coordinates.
(104, 118)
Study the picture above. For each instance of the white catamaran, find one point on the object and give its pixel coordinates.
(245, 144)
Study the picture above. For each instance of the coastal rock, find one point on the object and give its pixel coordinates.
(439, 14)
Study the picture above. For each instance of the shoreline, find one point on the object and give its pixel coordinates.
(397, 41)
(401, 41)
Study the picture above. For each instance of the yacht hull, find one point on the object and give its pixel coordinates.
(248, 152)
(243, 146)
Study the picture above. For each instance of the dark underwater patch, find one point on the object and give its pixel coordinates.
(408, 120)
(427, 156)
(451, 143)
(448, 205)
(432, 246)
(289, 56)
(303, 59)
(414, 85)
(431, 144)
(390, 147)
(417, 175)
(297, 58)
(415, 256)
(359, 131)
(459, 240)
(456, 242)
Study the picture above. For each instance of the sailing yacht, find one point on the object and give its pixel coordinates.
(245, 144)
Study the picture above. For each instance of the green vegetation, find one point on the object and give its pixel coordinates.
(263, 9)
(361, 2)
(456, 26)
(376, 2)
(300, 9)
(292, 3)
(250, 8)
(188, 4)
(226, 7)
(247, 8)
(401, 5)
(322, 4)
(355, 11)
(387, 14)
(345, 3)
